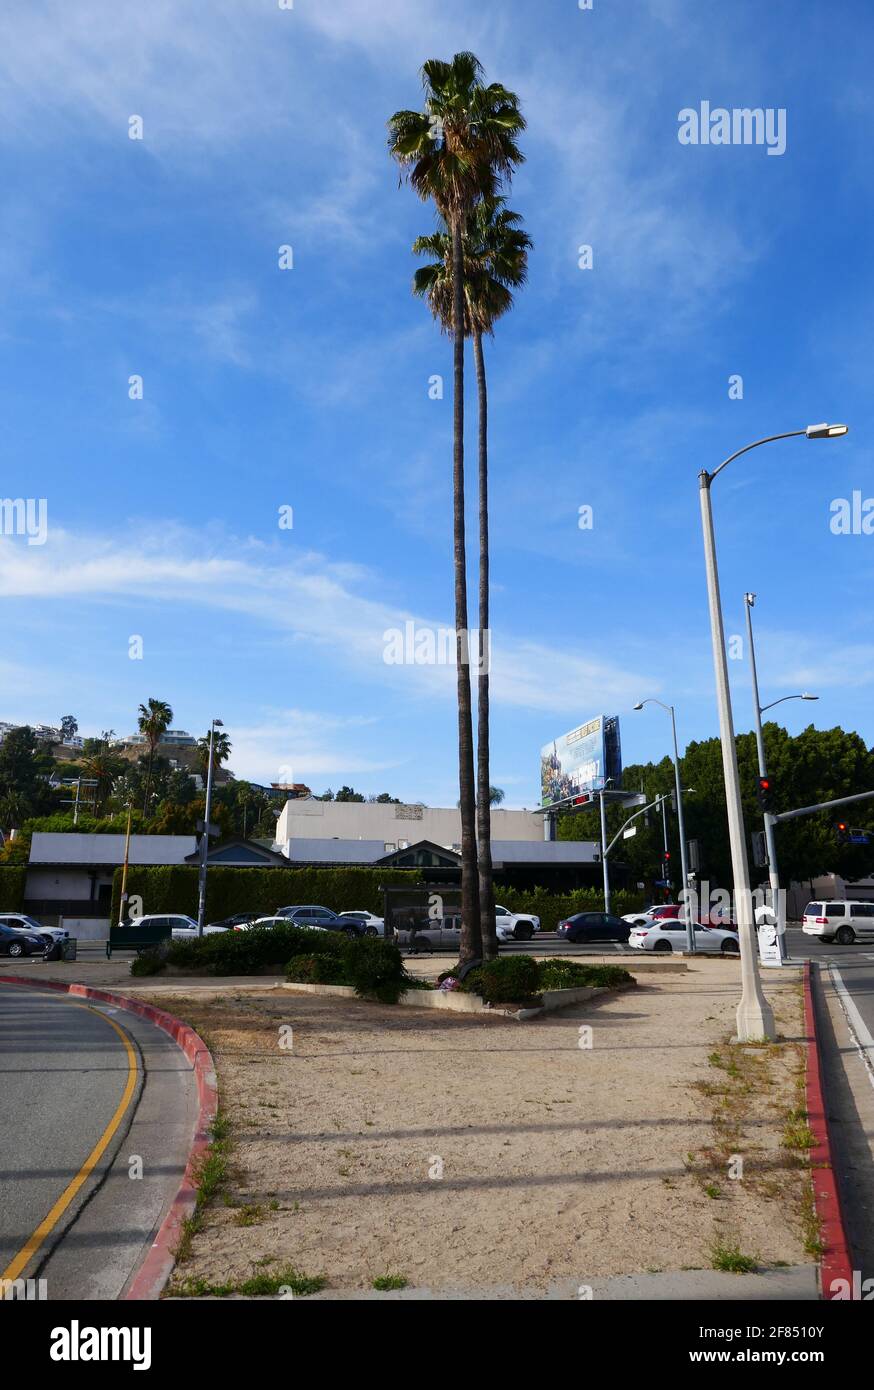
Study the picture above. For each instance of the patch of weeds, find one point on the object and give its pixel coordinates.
(258, 1285)
(384, 1282)
(813, 1243)
(729, 1259)
(713, 1191)
(252, 1214)
(797, 1133)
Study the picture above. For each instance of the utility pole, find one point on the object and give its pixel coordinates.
(123, 901)
(604, 864)
(204, 839)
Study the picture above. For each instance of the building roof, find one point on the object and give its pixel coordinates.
(54, 847)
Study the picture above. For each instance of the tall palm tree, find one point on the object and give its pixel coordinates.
(154, 720)
(454, 153)
(495, 263)
(221, 751)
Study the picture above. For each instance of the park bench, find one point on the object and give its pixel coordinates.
(136, 936)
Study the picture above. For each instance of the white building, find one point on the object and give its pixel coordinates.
(394, 827)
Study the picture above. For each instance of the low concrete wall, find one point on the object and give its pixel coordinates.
(456, 1001)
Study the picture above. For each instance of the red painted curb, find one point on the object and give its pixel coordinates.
(158, 1264)
(835, 1261)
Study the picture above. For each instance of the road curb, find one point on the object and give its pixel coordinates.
(151, 1277)
(835, 1261)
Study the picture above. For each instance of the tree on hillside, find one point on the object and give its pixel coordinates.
(25, 767)
(69, 726)
(221, 751)
(155, 718)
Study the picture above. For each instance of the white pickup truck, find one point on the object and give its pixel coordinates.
(515, 926)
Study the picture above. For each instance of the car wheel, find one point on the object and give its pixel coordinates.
(663, 946)
(845, 936)
(730, 948)
(16, 949)
(523, 933)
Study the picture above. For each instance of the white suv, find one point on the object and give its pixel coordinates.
(515, 926)
(841, 921)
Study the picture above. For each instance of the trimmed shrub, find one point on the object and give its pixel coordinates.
(375, 968)
(317, 970)
(246, 952)
(572, 974)
(509, 979)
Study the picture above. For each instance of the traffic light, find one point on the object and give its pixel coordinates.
(666, 864)
(843, 831)
(765, 792)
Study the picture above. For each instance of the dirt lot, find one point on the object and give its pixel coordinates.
(458, 1149)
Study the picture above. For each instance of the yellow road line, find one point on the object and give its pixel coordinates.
(27, 1251)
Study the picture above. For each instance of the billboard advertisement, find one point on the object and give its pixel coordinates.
(581, 761)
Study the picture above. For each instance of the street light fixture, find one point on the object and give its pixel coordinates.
(755, 1018)
(204, 839)
(690, 926)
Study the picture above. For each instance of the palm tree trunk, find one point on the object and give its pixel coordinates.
(471, 943)
(484, 804)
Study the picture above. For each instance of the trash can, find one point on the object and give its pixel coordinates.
(70, 943)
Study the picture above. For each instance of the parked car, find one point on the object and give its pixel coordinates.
(373, 925)
(277, 921)
(515, 926)
(15, 942)
(432, 934)
(20, 921)
(241, 919)
(640, 919)
(315, 916)
(669, 934)
(182, 927)
(843, 922)
(593, 926)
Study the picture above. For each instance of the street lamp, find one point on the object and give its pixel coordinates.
(755, 1019)
(204, 839)
(770, 839)
(690, 926)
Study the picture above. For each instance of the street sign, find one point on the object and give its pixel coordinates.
(663, 883)
(760, 849)
(859, 837)
(627, 834)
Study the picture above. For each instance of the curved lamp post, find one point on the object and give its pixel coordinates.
(690, 926)
(755, 1019)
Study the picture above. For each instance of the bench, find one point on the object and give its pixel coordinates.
(134, 936)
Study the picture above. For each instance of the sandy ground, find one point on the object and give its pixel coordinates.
(454, 1148)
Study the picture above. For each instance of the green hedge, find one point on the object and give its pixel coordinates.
(247, 952)
(12, 877)
(228, 891)
(174, 889)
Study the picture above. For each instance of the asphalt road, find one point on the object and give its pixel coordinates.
(97, 1111)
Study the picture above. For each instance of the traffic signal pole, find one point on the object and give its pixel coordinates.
(777, 904)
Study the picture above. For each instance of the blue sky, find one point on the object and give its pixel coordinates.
(309, 387)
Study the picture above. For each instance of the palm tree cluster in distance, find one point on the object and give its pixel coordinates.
(458, 153)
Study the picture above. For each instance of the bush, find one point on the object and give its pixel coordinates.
(316, 970)
(509, 979)
(247, 952)
(375, 968)
(571, 974)
(372, 967)
(151, 961)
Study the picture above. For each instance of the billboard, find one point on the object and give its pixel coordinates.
(584, 760)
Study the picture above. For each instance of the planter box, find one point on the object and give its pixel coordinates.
(456, 1001)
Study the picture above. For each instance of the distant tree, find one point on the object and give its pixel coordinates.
(221, 751)
(69, 726)
(385, 800)
(348, 794)
(25, 767)
(155, 718)
(496, 796)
